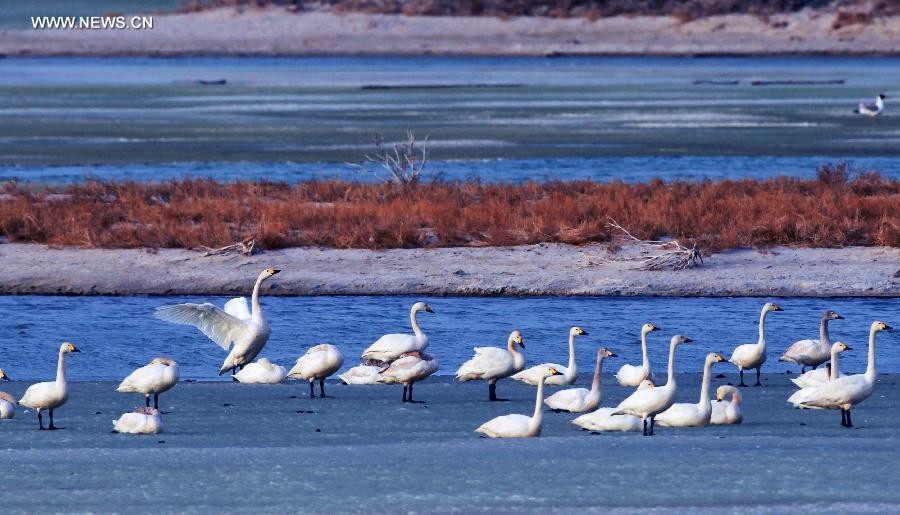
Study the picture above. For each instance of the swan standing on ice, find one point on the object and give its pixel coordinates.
(630, 375)
(409, 369)
(812, 353)
(799, 397)
(692, 415)
(236, 328)
(843, 392)
(318, 363)
(262, 371)
(818, 377)
(390, 346)
(604, 420)
(646, 403)
(493, 363)
(753, 355)
(580, 400)
(144, 421)
(534, 374)
(519, 426)
(727, 412)
(52, 394)
(157, 377)
(7, 406)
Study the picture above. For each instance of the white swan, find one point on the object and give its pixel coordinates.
(236, 328)
(519, 426)
(812, 353)
(753, 355)
(262, 371)
(799, 397)
(493, 363)
(318, 363)
(409, 369)
(534, 374)
(52, 394)
(646, 403)
(727, 412)
(361, 374)
(630, 375)
(845, 392)
(390, 346)
(684, 414)
(818, 377)
(145, 421)
(7, 406)
(580, 400)
(157, 377)
(604, 420)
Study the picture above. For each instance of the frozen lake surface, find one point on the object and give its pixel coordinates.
(231, 447)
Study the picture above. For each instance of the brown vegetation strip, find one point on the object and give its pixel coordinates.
(828, 212)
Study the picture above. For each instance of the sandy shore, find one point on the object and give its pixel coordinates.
(230, 447)
(527, 270)
(277, 32)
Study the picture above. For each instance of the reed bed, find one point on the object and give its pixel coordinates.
(831, 211)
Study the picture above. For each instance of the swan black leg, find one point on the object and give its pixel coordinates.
(843, 418)
(322, 388)
(757, 377)
(233, 372)
(802, 369)
(40, 420)
(742, 378)
(492, 393)
(849, 422)
(312, 390)
(410, 393)
(147, 398)
(155, 401)
(404, 393)
(645, 427)
(652, 423)
(52, 427)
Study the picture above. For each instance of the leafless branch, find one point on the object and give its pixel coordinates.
(402, 162)
(244, 248)
(658, 254)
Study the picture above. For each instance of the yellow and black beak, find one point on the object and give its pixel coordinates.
(275, 271)
(428, 308)
(521, 343)
(685, 339)
(776, 307)
(886, 327)
(611, 354)
(4, 377)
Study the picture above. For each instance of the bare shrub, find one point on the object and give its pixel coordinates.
(400, 164)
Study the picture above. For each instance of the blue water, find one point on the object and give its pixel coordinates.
(118, 334)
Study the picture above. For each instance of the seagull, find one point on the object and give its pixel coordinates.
(872, 108)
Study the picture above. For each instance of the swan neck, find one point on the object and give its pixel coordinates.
(538, 412)
(595, 385)
(255, 310)
(762, 330)
(824, 337)
(870, 368)
(61, 369)
(671, 379)
(704, 388)
(413, 320)
(571, 352)
(645, 359)
(834, 365)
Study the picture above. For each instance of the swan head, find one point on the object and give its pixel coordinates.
(3, 375)
(164, 361)
(551, 372)
(679, 339)
(712, 357)
(268, 272)
(646, 383)
(515, 337)
(67, 347)
(421, 306)
(724, 390)
(831, 315)
(576, 331)
(649, 328)
(880, 326)
(606, 353)
(771, 307)
(838, 347)
(264, 362)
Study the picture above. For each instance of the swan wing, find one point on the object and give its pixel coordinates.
(390, 346)
(534, 374)
(361, 374)
(745, 354)
(506, 426)
(488, 362)
(216, 324)
(143, 379)
(680, 415)
(604, 420)
(37, 395)
(630, 375)
(643, 400)
(321, 360)
(572, 399)
(7, 397)
(409, 368)
(802, 348)
(238, 308)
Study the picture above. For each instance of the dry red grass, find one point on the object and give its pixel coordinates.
(829, 212)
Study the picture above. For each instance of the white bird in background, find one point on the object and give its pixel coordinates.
(52, 394)
(604, 420)
(262, 371)
(646, 403)
(319, 363)
(812, 353)
(534, 374)
(7, 406)
(408, 369)
(823, 375)
(727, 412)
(146, 421)
(872, 108)
(630, 375)
(753, 355)
(519, 426)
(237, 328)
(580, 400)
(155, 378)
(390, 346)
(684, 414)
(843, 392)
(493, 363)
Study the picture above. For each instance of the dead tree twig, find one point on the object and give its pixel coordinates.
(402, 162)
(658, 254)
(244, 248)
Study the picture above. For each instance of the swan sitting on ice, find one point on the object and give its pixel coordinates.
(262, 371)
(493, 363)
(145, 421)
(361, 374)
(812, 353)
(519, 426)
(646, 403)
(820, 376)
(53, 394)
(753, 355)
(7, 406)
(569, 374)
(318, 363)
(409, 369)
(684, 414)
(630, 375)
(155, 378)
(726, 412)
(580, 400)
(237, 329)
(390, 346)
(604, 420)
